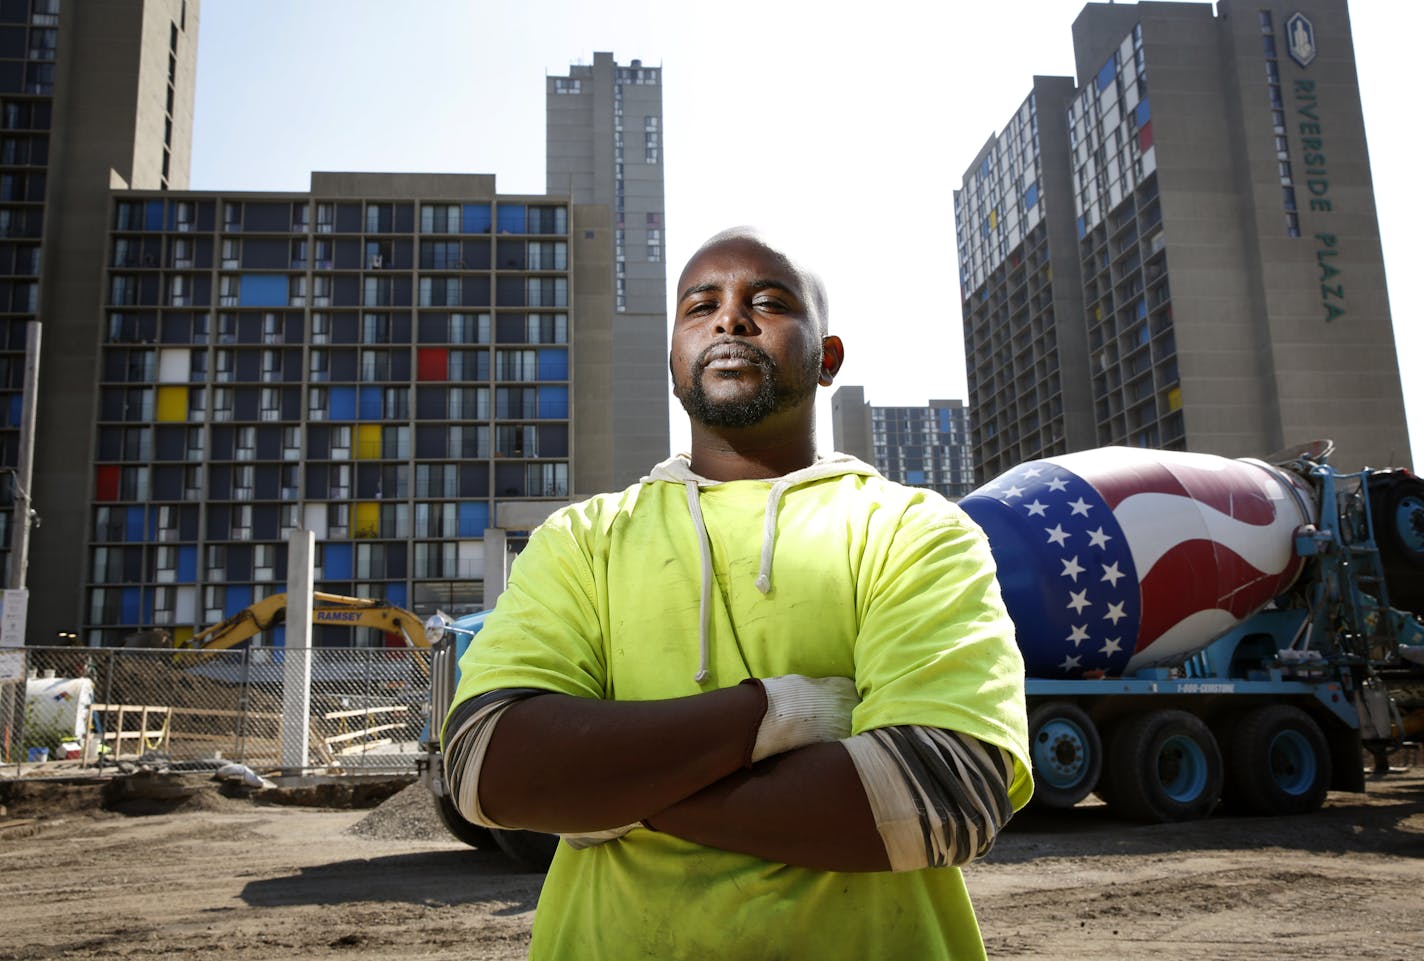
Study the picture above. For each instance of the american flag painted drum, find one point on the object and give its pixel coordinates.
(1118, 559)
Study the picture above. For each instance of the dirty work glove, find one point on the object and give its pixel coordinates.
(580, 841)
(802, 710)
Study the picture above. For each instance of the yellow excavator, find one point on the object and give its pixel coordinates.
(326, 609)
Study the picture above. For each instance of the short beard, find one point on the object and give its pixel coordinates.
(775, 394)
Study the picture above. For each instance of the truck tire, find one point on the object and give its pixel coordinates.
(467, 831)
(1067, 754)
(1279, 762)
(529, 849)
(1397, 509)
(1166, 767)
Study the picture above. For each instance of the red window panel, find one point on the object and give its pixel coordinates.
(432, 363)
(106, 483)
(1144, 136)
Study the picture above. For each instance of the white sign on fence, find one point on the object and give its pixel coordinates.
(14, 604)
(12, 666)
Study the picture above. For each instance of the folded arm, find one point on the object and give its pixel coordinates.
(899, 798)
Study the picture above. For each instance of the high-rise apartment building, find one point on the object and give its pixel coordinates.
(1022, 298)
(1214, 170)
(920, 446)
(384, 361)
(92, 96)
(605, 146)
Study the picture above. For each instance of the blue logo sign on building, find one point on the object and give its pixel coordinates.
(1300, 40)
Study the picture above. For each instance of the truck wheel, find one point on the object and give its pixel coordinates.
(467, 831)
(1166, 767)
(1397, 508)
(1067, 754)
(1279, 762)
(529, 849)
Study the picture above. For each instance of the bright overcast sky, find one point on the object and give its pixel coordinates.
(844, 134)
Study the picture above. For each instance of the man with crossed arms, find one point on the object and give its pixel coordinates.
(770, 701)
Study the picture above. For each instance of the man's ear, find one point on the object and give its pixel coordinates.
(832, 356)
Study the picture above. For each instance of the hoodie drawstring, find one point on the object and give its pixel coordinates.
(768, 532)
(704, 610)
(678, 469)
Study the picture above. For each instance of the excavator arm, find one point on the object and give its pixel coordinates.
(326, 609)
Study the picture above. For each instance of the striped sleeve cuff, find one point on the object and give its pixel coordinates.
(939, 797)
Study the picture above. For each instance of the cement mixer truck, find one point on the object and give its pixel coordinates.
(1196, 630)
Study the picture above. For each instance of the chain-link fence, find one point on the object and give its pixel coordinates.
(87, 707)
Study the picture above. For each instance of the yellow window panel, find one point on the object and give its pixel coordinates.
(368, 441)
(1174, 398)
(172, 403)
(368, 519)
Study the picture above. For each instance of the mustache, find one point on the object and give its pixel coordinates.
(724, 349)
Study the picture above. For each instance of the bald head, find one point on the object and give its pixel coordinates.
(814, 290)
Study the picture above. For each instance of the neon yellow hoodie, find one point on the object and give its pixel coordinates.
(679, 585)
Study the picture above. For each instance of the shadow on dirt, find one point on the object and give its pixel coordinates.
(443, 878)
(1388, 819)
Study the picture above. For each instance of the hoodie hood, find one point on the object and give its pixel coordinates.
(678, 470)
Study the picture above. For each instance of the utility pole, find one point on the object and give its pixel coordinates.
(21, 519)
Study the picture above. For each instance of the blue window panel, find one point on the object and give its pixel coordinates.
(343, 403)
(133, 525)
(396, 594)
(370, 403)
(130, 610)
(943, 415)
(153, 215)
(1031, 195)
(188, 564)
(262, 290)
(1107, 75)
(12, 413)
(553, 402)
(278, 636)
(914, 477)
(336, 565)
(474, 518)
(553, 363)
(475, 219)
(1142, 312)
(1143, 113)
(238, 597)
(1080, 228)
(511, 218)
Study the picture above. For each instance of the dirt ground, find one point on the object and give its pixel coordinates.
(215, 878)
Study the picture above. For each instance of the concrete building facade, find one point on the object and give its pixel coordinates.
(1227, 247)
(920, 446)
(605, 146)
(92, 96)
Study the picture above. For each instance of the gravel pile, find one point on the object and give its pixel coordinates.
(407, 815)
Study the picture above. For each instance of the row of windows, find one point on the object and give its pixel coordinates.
(320, 290)
(188, 252)
(175, 365)
(213, 484)
(223, 564)
(334, 442)
(175, 404)
(256, 216)
(339, 327)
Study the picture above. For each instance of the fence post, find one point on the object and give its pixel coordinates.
(296, 660)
